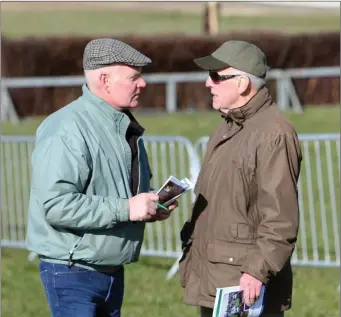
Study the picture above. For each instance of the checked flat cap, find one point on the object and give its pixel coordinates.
(104, 52)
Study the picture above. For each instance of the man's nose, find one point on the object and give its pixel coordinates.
(142, 83)
(208, 83)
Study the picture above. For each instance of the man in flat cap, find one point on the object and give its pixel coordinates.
(90, 194)
(244, 222)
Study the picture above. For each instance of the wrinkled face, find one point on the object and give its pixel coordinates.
(225, 93)
(123, 85)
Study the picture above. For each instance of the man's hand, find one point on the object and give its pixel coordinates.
(251, 287)
(142, 207)
(162, 214)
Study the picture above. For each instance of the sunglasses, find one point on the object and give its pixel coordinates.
(217, 78)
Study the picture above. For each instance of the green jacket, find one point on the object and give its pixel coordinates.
(81, 174)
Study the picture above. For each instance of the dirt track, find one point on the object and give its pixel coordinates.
(227, 8)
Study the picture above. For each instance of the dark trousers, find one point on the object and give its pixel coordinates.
(78, 292)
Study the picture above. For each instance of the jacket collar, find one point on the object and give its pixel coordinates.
(260, 101)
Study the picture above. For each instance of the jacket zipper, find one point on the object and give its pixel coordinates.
(138, 160)
(76, 245)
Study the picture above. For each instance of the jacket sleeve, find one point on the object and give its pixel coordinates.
(277, 204)
(61, 170)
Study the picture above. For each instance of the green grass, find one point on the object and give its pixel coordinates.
(147, 293)
(18, 24)
(320, 119)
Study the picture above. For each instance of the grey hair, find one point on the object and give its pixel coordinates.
(90, 78)
(86, 75)
(256, 82)
(92, 75)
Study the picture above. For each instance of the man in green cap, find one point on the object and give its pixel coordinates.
(244, 222)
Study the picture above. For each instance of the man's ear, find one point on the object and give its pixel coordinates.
(243, 84)
(104, 80)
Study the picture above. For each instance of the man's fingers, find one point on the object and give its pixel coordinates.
(252, 294)
(246, 294)
(257, 294)
(173, 206)
(152, 205)
(251, 288)
(246, 298)
(152, 210)
(153, 197)
(162, 216)
(252, 291)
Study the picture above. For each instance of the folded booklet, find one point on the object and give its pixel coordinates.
(229, 303)
(172, 189)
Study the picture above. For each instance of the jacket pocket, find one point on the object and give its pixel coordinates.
(235, 233)
(227, 252)
(224, 262)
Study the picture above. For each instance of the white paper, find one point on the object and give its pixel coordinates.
(229, 303)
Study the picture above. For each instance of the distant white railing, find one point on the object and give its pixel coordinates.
(286, 93)
(303, 4)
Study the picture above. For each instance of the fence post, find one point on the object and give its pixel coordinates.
(292, 95)
(171, 105)
(282, 94)
(7, 107)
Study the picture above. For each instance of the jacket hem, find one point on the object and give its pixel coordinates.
(201, 303)
(98, 268)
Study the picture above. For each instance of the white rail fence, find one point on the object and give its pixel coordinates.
(286, 93)
(319, 195)
(168, 156)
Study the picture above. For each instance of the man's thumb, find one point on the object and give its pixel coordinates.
(153, 197)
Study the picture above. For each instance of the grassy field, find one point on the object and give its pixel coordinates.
(147, 293)
(315, 289)
(18, 24)
(321, 119)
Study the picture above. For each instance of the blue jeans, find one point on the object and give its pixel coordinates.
(78, 292)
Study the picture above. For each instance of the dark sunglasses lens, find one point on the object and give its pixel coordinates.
(214, 76)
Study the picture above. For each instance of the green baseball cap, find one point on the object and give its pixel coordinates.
(241, 55)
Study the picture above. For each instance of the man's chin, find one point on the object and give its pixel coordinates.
(216, 107)
(134, 104)
(219, 108)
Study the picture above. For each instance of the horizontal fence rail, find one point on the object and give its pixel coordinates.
(285, 90)
(180, 77)
(319, 194)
